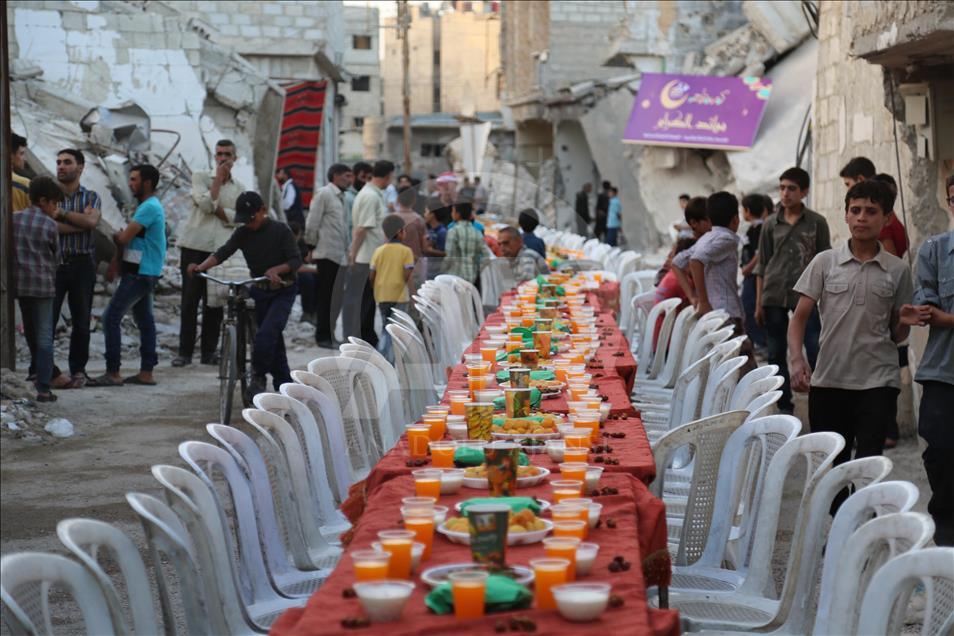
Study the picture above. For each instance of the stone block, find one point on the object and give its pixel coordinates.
(194, 57)
(293, 9)
(271, 31)
(780, 23)
(241, 19)
(73, 20)
(271, 9)
(282, 20)
(313, 34)
(250, 31)
(190, 40)
(305, 22)
(217, 18)
(229, 30)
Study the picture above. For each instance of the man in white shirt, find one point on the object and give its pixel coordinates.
(291, 198)
(325, 236)
(210, 224)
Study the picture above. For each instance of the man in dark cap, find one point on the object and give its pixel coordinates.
(270, 250)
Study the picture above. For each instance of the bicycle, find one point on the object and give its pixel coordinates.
(238, 331)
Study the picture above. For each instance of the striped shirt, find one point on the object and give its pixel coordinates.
(36, 253)
(465, 248)
(78, 243)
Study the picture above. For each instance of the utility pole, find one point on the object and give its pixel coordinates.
(404, 23)
(8, 351)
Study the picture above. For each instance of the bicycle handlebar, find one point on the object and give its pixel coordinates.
(235, 283)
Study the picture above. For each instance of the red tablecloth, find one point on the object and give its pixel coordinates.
(640, 532)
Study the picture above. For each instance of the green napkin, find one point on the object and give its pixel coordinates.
(504, 376)
(502, 594)
(465, 456)
(535, 396)
(516, 503)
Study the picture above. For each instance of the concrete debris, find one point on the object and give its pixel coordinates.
(59, 427)
(20, 417)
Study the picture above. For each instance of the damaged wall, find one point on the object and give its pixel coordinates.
(71, 57)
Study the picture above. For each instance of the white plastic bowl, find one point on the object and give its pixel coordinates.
(586, 557)
(384, 600)
(522, 482)
(451, 480)
(594, 510)
(581, 602)
(555, 448)
(593, 474)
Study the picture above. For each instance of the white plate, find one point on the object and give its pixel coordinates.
(437, 575)
(519, 436)
(533, 450)
(522, 482)
(543, 503)
(516, 538)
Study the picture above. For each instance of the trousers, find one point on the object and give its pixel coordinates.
(75, 279)
(359, 306)
(193, 293)
(330, 294)
(934, 425)
(272, 308)
(38, 330)
(134, 292)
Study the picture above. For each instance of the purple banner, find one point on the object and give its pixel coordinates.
(698, 111)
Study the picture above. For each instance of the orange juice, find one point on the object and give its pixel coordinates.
(489, 354)
(579, 438)
(476, 382)
(565, 511)
(577, 391)
(469, 589)
(418, 436)
(574, 471)
(420, 521)
(457, 404)
(546, 574)
(563, 548)
(436, 426)
(589, 420)
(370, 565)
(427, 483)
(398, 544)
(514, 345)
(593, 403)
(437, 409)
(515, 337)
(575, 454)
(575, 528)
(442, 454)
(566, 489)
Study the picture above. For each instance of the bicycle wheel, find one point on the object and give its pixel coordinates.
(246, 339)
(228, 374)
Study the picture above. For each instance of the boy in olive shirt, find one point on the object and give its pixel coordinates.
(863, 294)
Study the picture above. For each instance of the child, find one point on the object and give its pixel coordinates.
(713, 266)
(861, 291)
(669, 286)
(391, 268)
(754, 209)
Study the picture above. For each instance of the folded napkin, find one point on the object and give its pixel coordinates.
(502, 593)
(516, 503)
(475, 457)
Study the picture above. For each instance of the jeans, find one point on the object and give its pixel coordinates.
(776, 332)
(934, 425)
(384, 345)
(755, 333)
(75, 280)
(272, 308)
(330, 294)
(194, 292)
(358, 308)
(135, 292)
(38, 331)
(612, 235)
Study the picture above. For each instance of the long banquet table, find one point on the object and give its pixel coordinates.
(639, 535)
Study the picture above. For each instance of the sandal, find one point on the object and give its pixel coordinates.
(104, 380)
(45, 397)
(135, 379)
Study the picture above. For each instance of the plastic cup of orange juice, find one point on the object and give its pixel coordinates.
(548, 573)
(576, 454)
(489, 354)
(572, 470)
(418, 437)
(436, 424)
(398, 544)
(589, 420)
(427, 482)
(564, 511)
(442, 454)
(437, 409)
(476, 382)
(457, 403)
(566, 489)
(370, 565)
(570, 528)
(577, 438)
(420, 521)
(563, 548)
(418, 502)
(468, 588)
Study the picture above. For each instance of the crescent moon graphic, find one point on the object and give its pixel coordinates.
(664, 96)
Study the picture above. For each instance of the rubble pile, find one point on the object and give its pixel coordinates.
(21, 418)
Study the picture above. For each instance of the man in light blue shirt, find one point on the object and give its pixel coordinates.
(142, 248)
(613, 217)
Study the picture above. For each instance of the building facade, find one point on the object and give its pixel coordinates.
(362, 89)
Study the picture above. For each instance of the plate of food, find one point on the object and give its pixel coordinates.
(547, 388)
(532, 445)
(527, 476)
(437, 575)
(544, 426)
(525, 527)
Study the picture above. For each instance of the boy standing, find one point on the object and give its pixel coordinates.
(391, 267)
(465, 245)
(37, 255)
(935, 298)
(789, 240)
(861, 291)
(754, 209)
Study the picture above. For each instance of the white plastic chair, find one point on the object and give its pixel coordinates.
(328, 427)
(414, 369)
(641, 305)
(685, 324)
(395, 400)
(25, 581)
(274, 503)
(715, 399)
(706, 437)
(88, 539)
(741, 393)
(259, 538)
(649, 349)
(244, 579)
(882, 609)
(764, 404)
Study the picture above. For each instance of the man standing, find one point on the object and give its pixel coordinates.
(325, 237)
(76, 275)
(614, 220)
(360, 174)
(37, 254)
(142, 252)
(368, 213)
(209, 225)
(270, 250)
(291, 198)
(790, 239)
(602, 209)
(583, 210)
(525, 262)
(465, 245)
(19, 185)
(856, 170)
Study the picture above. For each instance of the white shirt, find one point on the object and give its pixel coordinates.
(288, 194)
